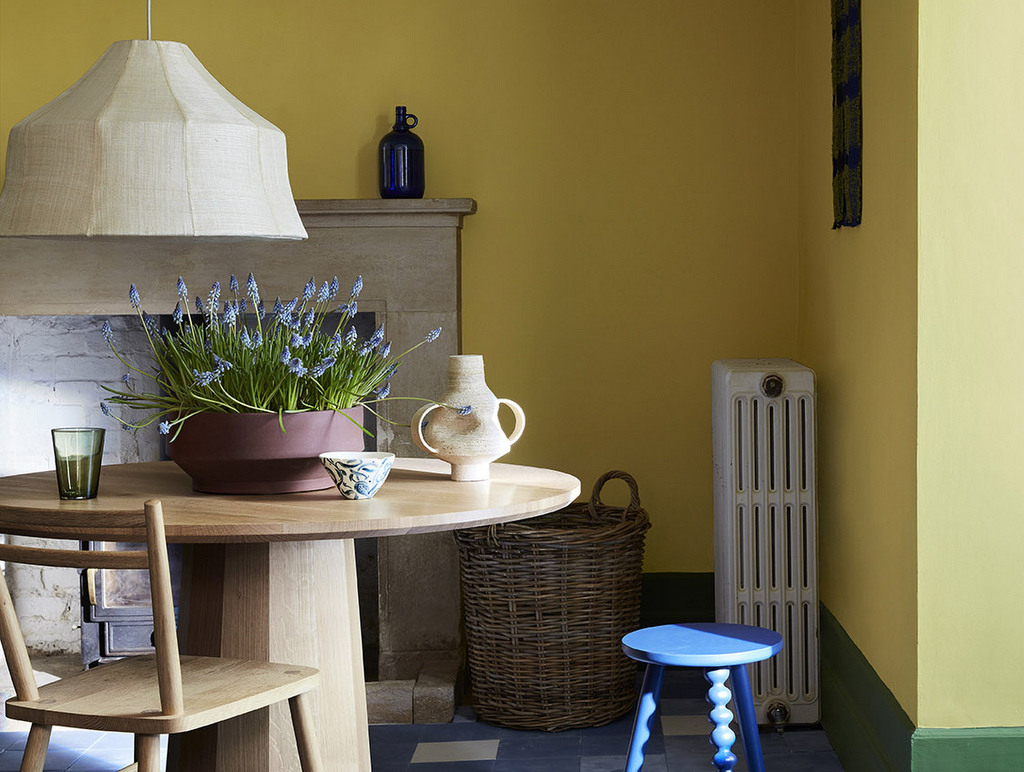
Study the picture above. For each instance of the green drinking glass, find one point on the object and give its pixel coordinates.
(78, 452)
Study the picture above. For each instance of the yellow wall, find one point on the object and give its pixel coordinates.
(635, 168)
(858, 331)
(971, 365)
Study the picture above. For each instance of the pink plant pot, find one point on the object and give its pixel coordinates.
(248, 453)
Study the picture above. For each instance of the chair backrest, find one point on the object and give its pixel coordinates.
(154, 558)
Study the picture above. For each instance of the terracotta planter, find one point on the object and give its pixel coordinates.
(248, 453)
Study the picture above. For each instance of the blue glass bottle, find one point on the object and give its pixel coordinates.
(401, 159)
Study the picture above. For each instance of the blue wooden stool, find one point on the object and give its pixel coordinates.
(724, 651)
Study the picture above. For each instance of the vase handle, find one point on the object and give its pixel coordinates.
(517, 411)
(417, 428)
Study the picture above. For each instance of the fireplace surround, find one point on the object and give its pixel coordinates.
(408, 252)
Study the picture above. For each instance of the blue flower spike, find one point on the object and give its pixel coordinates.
(133, 297)
(108, 334)
(233, 284)
(465, 410)
(182, 289)
(252, 290)
(357, 287)
(178, 315)
(105, 409)
(325, 293)
(165, 427)
(433, 335)
(308, 290)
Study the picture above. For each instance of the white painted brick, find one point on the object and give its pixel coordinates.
(51, 373)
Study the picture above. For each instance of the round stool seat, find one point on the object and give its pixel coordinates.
(702, 644)
(723, 651)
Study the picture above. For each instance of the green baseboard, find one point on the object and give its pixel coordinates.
(976, 749)
(867, 727)
(870, 731)
(670, 596)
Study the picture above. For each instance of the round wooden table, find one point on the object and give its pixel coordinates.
(273, 577)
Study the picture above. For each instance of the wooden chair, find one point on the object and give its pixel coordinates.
(148, 695)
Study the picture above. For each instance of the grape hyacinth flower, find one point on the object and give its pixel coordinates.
(229, 361)
(321, 368)
(465, 410)
(433, 335)
(105, 409)
(252, 290)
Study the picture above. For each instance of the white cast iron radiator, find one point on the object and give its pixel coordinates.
(766, 557)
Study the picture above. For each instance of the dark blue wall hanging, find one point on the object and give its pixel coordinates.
(847, 132)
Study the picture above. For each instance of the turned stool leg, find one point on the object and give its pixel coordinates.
(650, 693)
(721, 736)
(744, 702)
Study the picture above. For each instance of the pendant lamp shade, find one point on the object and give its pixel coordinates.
(147, 143)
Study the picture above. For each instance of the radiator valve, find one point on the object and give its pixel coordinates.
(772, 385)
(778, 715)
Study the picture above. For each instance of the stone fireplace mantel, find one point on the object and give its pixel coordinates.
(408, 253)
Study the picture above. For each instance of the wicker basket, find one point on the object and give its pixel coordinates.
(547, 601)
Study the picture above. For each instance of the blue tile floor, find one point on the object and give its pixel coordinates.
(679, 744)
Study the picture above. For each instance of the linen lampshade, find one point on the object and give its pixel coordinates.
(147, 143)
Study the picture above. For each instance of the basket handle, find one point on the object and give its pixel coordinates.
(615, 474)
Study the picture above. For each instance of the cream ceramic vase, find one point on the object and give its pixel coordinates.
(468, 442)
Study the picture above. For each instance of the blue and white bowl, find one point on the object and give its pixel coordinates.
(357, 475)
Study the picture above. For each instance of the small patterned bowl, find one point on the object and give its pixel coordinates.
(357, 475)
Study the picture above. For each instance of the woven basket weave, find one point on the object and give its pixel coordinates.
(547, 601)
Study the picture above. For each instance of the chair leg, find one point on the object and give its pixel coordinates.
(147, 752)
(305, 733)
(646, 706)
(722, 736)
(744, 702)
(34, 757)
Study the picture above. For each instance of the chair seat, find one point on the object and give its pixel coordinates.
(701, 644)
(123, 696)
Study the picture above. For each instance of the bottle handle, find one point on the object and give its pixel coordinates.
(417, 428)
(415, 121)
(517, 430)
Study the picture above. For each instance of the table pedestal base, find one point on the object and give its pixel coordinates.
(291, 602)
